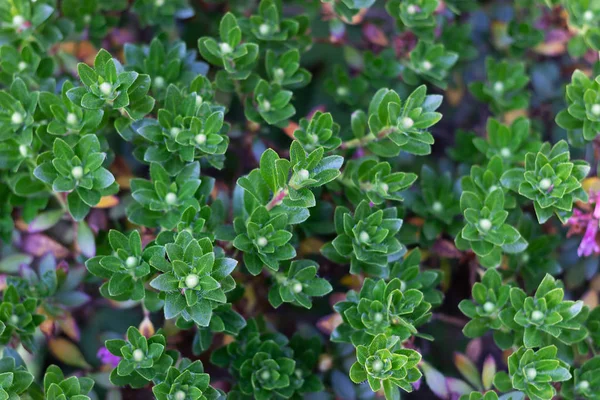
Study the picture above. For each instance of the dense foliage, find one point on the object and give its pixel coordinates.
(210, 199)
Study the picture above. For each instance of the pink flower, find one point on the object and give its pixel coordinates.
(106, 357)
(589, 221)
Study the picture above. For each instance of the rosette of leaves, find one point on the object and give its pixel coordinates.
(298, 285)
(375, 180)
(481, 181)
(177, 140)
(65, 116)
(28, 21)
(346, 89)
(523, 36)
(194, 280)
(88, 16)
(490, 296)
(551, 180)
(584, 19)
(539, 258)
(485, 231)
(17, 108)
(108, 86)
(504, 89)
(224, 320)
(258, 351)
(426, 281)
(380, 308)
(57, 387)
(77, 168)
(386, 367)
(431, 62)
(533, 373)
(126, 268)
(366, 239)
(267, 374)
(456, 38)
(238, 59)
(380, 68)
(318, 131)
(264, 240)
(14, 380)
(56, 286)
(25, 63)
(269, 103)
(200, 223)
(585, 383)
(142, 359)
(437, 203)
(153, 12)
(546, 315)
(581, 119)
(511, 143)
(416, 16)
(19, 318)
(396, 125)
(268, 26)
(285, 186)
(285, 69)
(306, 355)
(186, 381)
(166, 63)
(162, 200)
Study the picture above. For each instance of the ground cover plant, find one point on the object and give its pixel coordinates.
(335, 199)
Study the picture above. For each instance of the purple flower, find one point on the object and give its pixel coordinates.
(106, 357)
(587, 221)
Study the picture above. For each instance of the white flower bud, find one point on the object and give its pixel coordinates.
(22, 65)
(364, 237)
(596, 109)
(537, 316)
(531, 373)
(138, 355)
(171, 198)
(262, 241)
(16, 118)
(488, 307)
(77, 172)
(303, 174)
(159, 82)
(377, 365)
(407, 122)
(18, 20)
(505, 152)
(180, 395)
(225, 48)
(297, 288)
(191, 281)
(23, 150)
(437, 206)
(342, 91)
(485, 224)
(106, 88)
(545, 184)
(427, 65)
(264, 29)
(200, 138)
(71, 119)
(131, 262)
(498, 87)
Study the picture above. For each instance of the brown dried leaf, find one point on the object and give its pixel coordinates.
(67, 352)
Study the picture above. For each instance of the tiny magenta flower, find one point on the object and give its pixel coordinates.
(107, 358)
